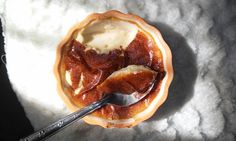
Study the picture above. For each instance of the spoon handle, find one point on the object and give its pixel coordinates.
(53, 128)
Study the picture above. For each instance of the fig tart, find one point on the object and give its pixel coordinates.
(96, 57)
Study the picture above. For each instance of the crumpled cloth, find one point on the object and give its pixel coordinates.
(201, 35)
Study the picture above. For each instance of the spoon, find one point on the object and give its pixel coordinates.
(114, 98)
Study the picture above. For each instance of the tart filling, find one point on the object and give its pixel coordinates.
(111, 56)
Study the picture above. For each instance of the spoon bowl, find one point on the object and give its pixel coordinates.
(128, 99)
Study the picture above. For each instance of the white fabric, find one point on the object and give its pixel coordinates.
(201, 35)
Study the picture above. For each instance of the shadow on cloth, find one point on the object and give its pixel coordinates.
(14, 123)
(185, 72)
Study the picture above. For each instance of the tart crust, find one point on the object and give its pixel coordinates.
(167, 62)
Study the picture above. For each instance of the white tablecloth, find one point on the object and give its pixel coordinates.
(201, 35)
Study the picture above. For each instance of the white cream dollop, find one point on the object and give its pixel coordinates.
(104, 36)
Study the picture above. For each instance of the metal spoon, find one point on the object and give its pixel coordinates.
(115, 98)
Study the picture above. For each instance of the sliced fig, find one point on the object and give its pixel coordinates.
(139, 51)
(79, 74)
